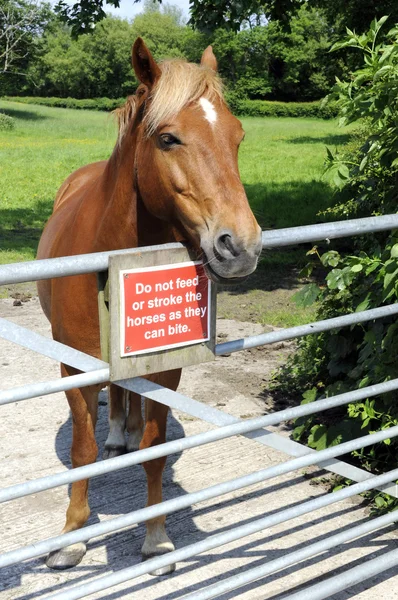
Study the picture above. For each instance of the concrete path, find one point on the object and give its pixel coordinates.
(35, 439)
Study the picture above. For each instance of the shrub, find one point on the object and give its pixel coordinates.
(365, 276)
(6, 122)
(106, 104)
(265, 108)
(239, 106)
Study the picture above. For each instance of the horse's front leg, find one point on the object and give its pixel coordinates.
(115, 444)
(83, 403)
(157, 541)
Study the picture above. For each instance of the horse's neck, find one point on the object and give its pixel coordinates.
(126, 223)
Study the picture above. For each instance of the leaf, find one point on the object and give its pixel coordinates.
(364, 162)
(356, 268)
(309, 395)
(394, 251)
(330, 259)
(364, 304)
(381, 21)
(307, 295)
(386, 53)
(344, 171)
(380, 502)
(307, 270)
(389, 278)
(318, 437)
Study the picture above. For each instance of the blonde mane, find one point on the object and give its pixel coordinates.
(180, 84)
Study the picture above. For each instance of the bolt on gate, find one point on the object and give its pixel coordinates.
(95, 371)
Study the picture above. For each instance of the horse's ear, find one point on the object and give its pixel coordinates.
(144, 65)
(208, 59)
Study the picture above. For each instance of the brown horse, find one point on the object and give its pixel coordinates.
(172, 176)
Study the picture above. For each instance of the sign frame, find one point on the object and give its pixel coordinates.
(156, 361)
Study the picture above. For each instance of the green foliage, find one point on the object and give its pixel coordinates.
(264, 108)
(264, 61)
(103, 104)
(22, 23)
(366, 276)
(6, 122)
(246, 108)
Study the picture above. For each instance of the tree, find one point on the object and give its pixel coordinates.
(99, 64)
(22, 22)
(207, 15)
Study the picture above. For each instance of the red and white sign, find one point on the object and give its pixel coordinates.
(164, 307)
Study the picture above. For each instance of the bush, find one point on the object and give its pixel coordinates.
(265, 108)
(6, 122)
(365, 276)
(243, 108)
(106, 104)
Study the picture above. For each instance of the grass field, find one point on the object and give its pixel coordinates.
(281, 164)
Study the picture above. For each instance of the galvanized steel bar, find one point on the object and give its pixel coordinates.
(240, 579)
(48, 347)
(77, 359)
(214, 491)
(210, 414)
(346, 580)
(68, 265)
(302, 330)
(221, 539)
(44, 388)
(274, 238)
(83, 361)
(143, 386)
(92, 263)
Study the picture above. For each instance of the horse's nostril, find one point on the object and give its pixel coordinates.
(225, 247)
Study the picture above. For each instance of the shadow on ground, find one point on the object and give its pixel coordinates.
(125, 490)
(24, 115)
(329, 140)
(21, 228)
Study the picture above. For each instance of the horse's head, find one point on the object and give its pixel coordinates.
(187, 162)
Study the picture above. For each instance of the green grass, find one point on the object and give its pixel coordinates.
(46, 145)
(281, 162)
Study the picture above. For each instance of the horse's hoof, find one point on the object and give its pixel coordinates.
(133, 442)
(66, 558)
(112, 451)
(167, 570)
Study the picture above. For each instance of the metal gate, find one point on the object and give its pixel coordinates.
(95, 371)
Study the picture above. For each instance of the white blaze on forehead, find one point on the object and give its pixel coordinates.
(208, 109)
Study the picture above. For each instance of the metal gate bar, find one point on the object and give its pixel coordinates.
(63, 353)
(220, 539)
(240, 427)
(33, 390)
(287, 560)
(175, 504)
(290, 333)
(98, 370)
(217, 417)
(347, 579)
(33, 341)
(93, 263)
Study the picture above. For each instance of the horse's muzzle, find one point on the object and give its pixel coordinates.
(227, 258)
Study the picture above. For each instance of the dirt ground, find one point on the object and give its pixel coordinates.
(35, 441)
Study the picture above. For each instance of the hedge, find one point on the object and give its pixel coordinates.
(247, 108)
(106, 104)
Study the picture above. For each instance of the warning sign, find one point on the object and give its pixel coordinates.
(164, 307)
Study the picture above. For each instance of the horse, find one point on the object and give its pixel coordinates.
(172, 177)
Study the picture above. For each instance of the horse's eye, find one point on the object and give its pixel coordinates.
(167, 140)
